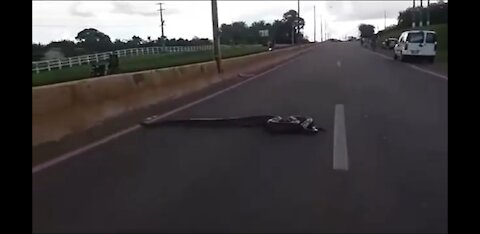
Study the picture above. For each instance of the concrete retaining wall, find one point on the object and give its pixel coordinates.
(62, 109)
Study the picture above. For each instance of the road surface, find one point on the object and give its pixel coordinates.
(381, 166)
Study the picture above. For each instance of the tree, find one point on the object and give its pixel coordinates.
(235, 33)
(68, 48)
(90, 40)
(366, 30)
(438, 15)
(254, 32)
(282, 29)
(226, 36)
(94, 40)
(181, 42)
(291, 19)
(37, 51)
(135, 41)
(119, 45)
(240, 32)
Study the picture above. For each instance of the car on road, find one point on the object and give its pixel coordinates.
(334, 40)
(416, 43)
(389, 43)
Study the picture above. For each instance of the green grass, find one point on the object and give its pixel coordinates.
(442, 38)
(140, 63)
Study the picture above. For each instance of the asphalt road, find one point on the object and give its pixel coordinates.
(245, 180)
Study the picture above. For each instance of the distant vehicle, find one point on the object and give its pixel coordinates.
(334, 40)
(416, 43)
(389, 43)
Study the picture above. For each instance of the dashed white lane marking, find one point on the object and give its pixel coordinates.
(340, 152)
(339, 63)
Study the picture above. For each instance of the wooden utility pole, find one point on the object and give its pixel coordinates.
(428, 12)
(162, 22)
(314, 25)
(298, 22)
(420, 13)
(384, 20)
(321, 29)
(413, 15)
(216, 37)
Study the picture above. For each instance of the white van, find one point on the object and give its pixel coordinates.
(417, 43)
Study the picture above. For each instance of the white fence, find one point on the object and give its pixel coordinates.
(48, 65)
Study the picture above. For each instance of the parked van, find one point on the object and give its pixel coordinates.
(416, 43)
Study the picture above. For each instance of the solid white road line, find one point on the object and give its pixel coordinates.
(382, 55)
(92, 145)
(340, 153)
(414, 67)
(68, 155)
(428, 72)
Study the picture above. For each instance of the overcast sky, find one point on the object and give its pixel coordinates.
(57, 20)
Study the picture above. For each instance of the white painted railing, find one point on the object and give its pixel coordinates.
(53, 64)
(48, 65)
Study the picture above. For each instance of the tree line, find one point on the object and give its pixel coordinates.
(91, 40)
(279, 31)
(438, 15)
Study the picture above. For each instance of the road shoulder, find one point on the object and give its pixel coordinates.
(437, 67)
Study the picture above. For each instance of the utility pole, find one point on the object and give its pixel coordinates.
(421, 16)
(314, 25)
(384, 20)
(162, 22)
(216, 39)
(428, 12)
(325, 31)
(321, 29)
(298, 22)
(413, 15)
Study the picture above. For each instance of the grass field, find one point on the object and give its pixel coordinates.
(442, 38)
(140, 63)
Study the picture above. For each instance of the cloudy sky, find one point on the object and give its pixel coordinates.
(57, 20)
